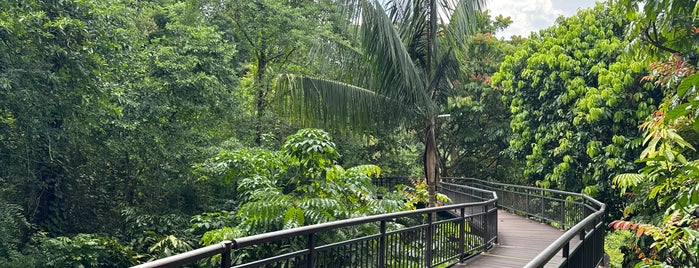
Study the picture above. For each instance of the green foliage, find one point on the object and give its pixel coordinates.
(402, 68)
(106, 104)
(13, 230)
(473, 137)
(155, 236)
(576, 101)
(417, 194)
(664, 193)
(613, 243)
(168, 246)
(396, 152)
(274, 37)
(329, 193)
(664, 26)
(229, 166)
(312, 148)
(83, 250)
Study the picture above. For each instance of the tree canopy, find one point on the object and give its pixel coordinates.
(576, 102)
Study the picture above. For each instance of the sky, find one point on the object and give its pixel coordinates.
(533, 15)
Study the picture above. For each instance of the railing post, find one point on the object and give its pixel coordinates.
(311, 249)
(226, 255)
(541, 198)
(528, 205)
(486, 230)
(428, 241)
(495, 219)
(382, 245)
(462, 232)
(561, 203)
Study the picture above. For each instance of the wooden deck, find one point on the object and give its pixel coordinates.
(519, 241)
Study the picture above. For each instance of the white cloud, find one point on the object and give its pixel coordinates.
(533, 15)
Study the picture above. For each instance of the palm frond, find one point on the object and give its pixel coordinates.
(334, 104)
(460, 20)
(394, 74)
(411, 18)
(446, 71)
(340, 61)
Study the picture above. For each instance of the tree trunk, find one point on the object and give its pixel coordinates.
(431, 161)
(261, 86)
(430, 158)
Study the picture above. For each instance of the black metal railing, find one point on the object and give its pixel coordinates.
(404, 239)
(417, 239)
(581, 215)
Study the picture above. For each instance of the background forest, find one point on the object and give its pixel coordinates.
(133, 130)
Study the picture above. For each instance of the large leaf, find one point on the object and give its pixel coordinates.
(688, 83)
(679, 111)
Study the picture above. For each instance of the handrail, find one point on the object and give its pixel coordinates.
(223, 248)
(304, 230)
(590, 229)
(564, 240)
(476, 232)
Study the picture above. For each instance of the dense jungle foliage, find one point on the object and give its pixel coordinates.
(134, 130)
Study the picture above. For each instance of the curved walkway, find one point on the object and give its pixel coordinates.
(519, 241)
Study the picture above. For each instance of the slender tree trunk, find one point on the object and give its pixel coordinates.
(430, 158)
(431, 161)
(261, 86)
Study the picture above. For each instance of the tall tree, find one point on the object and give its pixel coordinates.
(473, 137)
(271, 35)
(404, 67)
(576, 102)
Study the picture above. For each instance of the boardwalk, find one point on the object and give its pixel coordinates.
(519, 240)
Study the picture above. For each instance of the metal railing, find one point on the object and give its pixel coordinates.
(581, 215)
(402, 239)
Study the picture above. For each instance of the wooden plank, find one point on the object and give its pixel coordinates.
(519, 241)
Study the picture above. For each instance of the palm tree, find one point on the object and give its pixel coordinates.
(403, 68)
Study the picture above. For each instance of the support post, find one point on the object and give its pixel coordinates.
(526, 210)
(541, 197)
(462, 233)
(382, 245)
(311, 250)
(486, 230)
(428, 240)
(562, 204)
(226, 255)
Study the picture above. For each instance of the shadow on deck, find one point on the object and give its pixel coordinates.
(519, 241)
